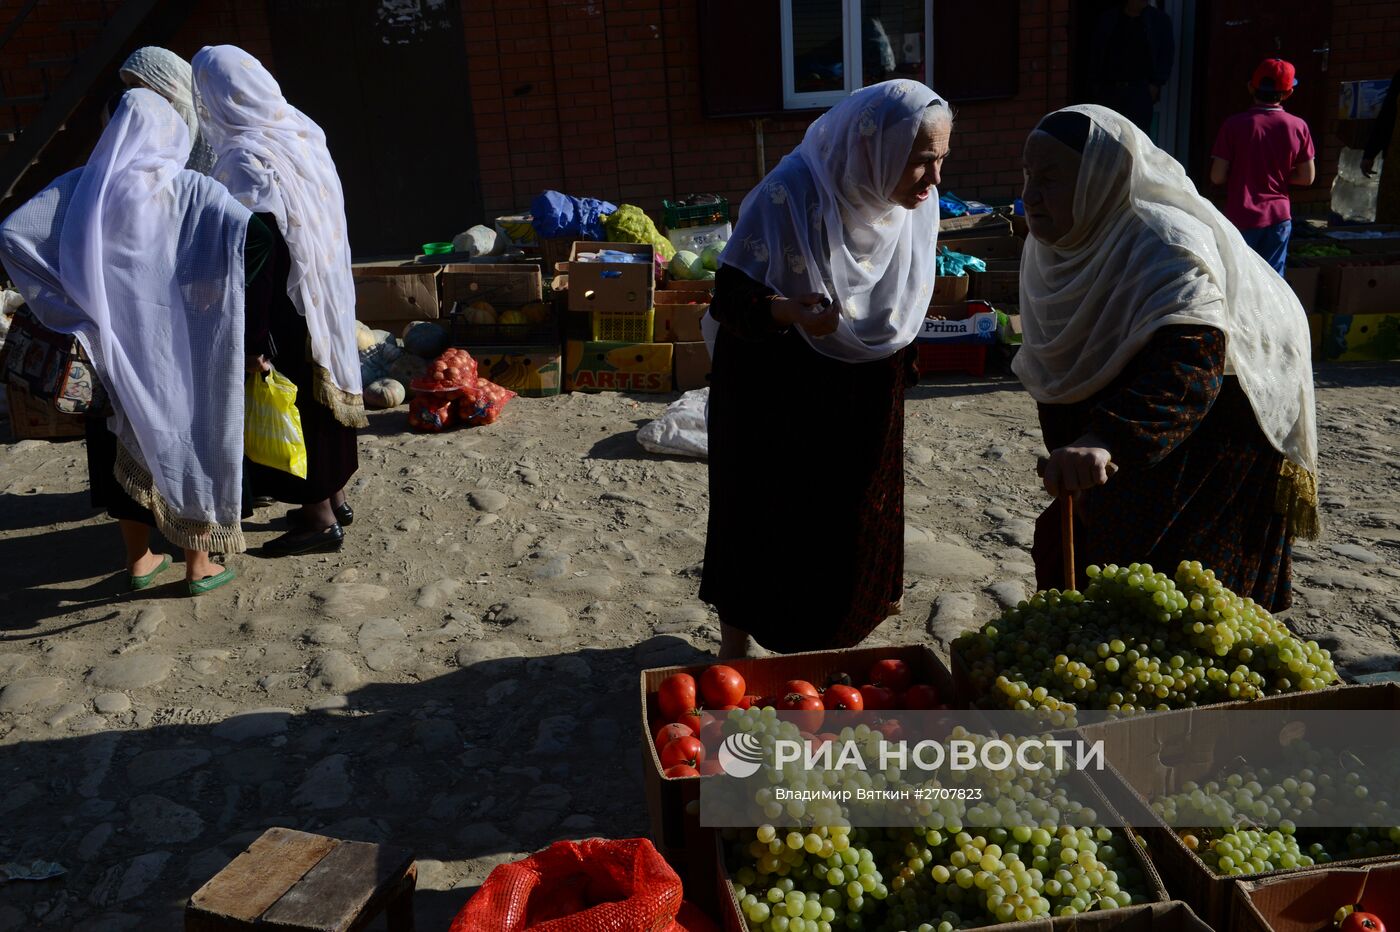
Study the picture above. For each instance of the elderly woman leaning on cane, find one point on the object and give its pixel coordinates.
(1171, 365)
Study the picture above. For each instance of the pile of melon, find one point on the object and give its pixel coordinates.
(481, 313)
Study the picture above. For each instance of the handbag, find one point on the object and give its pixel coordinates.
(50, 366)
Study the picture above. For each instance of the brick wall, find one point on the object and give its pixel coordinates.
(601, 98)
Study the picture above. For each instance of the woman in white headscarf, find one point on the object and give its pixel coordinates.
(819, 296)
(144, 262)
(1171, 364)
(273, 159)
(169, 75)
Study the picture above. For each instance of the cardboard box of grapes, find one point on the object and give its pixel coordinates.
(1310, 901)
(673, 803)
(1157, 914)
(1155, 757)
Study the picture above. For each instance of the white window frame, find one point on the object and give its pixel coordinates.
(852, 47)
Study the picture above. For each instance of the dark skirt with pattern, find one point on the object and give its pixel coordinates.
(1212, 498)
(331, 454)
(805, 549)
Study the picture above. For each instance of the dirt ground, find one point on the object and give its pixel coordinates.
(461, 679)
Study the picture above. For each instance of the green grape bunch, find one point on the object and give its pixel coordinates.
(1138, 640)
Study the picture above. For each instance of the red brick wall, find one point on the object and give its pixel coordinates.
(600, 98)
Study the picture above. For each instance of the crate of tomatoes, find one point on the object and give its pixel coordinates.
(684, 709)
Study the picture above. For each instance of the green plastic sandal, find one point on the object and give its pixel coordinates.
(210, 583)
(137, 583)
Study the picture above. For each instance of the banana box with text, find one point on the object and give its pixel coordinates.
(529, 371)
(591, 366)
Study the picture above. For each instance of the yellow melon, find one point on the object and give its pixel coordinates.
(512, 318)
(479, 312)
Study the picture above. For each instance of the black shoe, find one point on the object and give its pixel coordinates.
(344, 515)
(296, 543)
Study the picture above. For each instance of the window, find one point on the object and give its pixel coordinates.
(759, 58)
(831, 48)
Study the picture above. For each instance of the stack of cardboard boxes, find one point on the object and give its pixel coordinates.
(1353, 302)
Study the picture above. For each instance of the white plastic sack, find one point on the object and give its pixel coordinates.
(681, 430)
(478, 241)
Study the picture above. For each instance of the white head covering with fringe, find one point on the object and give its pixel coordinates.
(143, 261)
(1146, 251)
(823, 222)
(274, 159)
(169, 75)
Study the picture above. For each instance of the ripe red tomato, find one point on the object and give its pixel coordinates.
(721, 685)
(687, 750)
(802, 687)
(747, 701)
(727, 708)
(681, 770)
(877, 698)
(890, 728)
(676, 696)
(695, 720)
(843, 699)
(1363, 922)
(668, 733)
(919, 696)
(710, 767)
(892, 674)
(810, 710)
(712, 735)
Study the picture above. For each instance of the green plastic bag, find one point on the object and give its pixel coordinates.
(272, 434)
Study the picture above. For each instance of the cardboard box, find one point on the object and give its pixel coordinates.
(1362, 100)
(517, 229)
(996, 286)
(979, 329)
(35, 419)
(1355, 337)
(395, 291)
(1361, 289)
(617, 367)
(1134, 748)
(949, 289)
(529, 371)
(692, 365)
(1306, 902)
(675, 284)
(509, 285)
(1317, 329)
(971, 226)
(989, 247)
(678, 316)
(1304, 281)
(675, 823)
(1367, 239)
(1160, 915)
(1010, 333)
(613, 286)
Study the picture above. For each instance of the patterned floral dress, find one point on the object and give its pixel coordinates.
(805, 549)
(1198, 480)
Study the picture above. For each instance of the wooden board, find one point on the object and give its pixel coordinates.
(350, 883)
(255, 879)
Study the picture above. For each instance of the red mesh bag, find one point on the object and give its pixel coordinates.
(482, 403)
(430, 413)
(598, 885)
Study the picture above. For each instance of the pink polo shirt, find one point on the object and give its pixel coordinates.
(1263, 145)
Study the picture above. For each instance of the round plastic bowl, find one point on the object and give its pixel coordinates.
(436, 249)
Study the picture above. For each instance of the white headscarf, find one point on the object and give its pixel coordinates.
(823, 222)
(274, 159)
(1145, 252)
(169, 75)
(143, 261)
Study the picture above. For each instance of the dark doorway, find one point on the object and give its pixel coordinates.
(1238, 34)
(388, 83)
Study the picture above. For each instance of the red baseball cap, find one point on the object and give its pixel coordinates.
(1274, 74)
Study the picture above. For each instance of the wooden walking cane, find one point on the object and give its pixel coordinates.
(1066, 508)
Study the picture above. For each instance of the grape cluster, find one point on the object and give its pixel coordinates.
(1137, 640)
(1027, 849)
(1247, 819)
(893, 880)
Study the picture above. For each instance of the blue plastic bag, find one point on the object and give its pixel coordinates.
(559, 215)
(957, 264)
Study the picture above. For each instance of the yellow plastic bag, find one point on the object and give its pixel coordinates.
(272, 434)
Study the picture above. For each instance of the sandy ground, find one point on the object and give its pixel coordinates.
(461, 680)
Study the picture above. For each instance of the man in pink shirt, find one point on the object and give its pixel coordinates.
(1257, 155)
